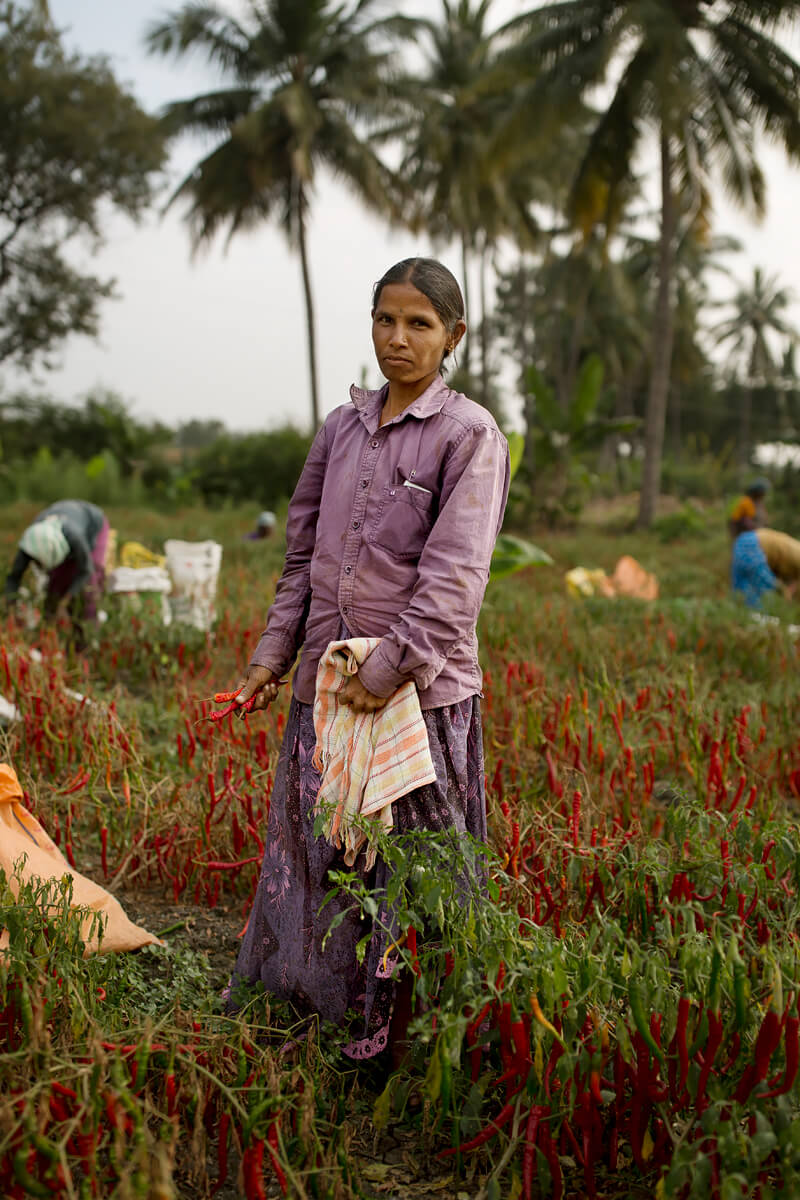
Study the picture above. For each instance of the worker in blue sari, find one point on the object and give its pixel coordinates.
(751, 576)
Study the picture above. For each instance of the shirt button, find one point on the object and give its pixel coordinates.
(374, 443)
(344, 610)
(356, 524)
(347, 570)
(364, 482)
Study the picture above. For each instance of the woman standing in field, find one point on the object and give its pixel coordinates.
(389, 534)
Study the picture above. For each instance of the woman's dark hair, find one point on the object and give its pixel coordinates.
(434, 281)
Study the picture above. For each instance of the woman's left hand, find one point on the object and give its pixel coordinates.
(360, 700)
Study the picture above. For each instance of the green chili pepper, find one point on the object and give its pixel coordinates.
(713, 997)
(741, 990)
(636, 1001)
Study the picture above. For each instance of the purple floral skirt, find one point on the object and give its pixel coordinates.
(282, 947)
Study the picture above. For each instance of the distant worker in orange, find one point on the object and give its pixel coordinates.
(749, 512)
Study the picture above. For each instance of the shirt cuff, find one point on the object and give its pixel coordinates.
(379, 676)
(273, 654)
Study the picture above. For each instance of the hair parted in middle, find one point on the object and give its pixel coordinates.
(435, 281)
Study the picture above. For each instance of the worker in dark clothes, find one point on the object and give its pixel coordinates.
(69, 541)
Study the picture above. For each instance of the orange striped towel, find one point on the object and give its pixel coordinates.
(367, 760)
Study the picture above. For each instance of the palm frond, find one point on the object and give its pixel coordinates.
(211, 112)
(606, 166)
(200, 27)
(764, 76)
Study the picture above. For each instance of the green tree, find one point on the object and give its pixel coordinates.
(101, 423)
(303, 77)
(71, 140)
(263, 466)
(759, 317)
(468, 175)
(704, 78)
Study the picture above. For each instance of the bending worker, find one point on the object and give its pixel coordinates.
(68, 540)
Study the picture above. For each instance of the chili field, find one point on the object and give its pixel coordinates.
(607, 1006)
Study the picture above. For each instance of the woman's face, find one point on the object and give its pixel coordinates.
(409, 336)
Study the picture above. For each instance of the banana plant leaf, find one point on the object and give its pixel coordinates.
(516, 446)
(512, 554)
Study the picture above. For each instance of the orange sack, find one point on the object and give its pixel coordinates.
(21, 834)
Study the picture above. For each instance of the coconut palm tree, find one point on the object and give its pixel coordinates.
(467, 181)
(703, 77)
(759, 317)
(301, 78)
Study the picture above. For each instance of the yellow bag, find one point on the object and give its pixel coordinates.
(134, 554)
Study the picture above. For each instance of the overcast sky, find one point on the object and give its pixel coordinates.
(223, 336)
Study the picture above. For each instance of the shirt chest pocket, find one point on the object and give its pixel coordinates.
(403, 521)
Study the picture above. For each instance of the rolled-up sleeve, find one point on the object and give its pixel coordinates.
(279, 643)
(453, 567)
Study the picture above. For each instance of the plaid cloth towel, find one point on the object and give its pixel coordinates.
(367, 760)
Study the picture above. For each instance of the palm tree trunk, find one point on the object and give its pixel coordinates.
(675, 410)
(464, 272)
(484, 332)
(746, 411)
(745, 427)
(310, 330)
(661, 356)
(576, 341)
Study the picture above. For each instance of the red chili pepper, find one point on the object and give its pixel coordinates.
(529, 1157)
(684, 1005)
(551, 1155)
(171, 1095)
(792, 1061)
(411, 938)
(506, 1039)
(709, 1052)
(769, 1035)
(218, 714)
(486, 1134)
(231, 866)
(272, 1142)
(80, 781)
(522, 1048)
(253, 1169)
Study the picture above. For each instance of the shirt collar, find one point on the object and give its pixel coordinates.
(368, 403)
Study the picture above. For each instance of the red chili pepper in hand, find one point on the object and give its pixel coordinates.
(219, 714)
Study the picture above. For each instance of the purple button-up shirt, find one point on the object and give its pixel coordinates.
(390, 531)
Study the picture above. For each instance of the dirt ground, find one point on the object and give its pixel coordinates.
(392, 1166)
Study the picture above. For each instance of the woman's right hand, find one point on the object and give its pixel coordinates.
(261, 683)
